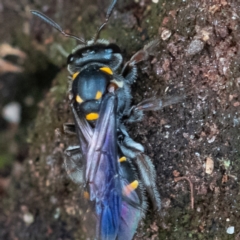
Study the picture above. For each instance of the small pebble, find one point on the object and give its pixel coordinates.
(166, 34)
(209, 165)
(195, 47)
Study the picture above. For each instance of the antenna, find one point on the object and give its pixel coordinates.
(108, 15)
(55, 25)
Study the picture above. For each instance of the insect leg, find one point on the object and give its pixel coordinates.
(129, 71)
(73, 163)
(151, 104)
(144, 166)
(69, 128)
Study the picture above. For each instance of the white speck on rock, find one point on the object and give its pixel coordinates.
(230, 230)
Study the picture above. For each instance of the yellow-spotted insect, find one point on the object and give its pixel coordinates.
(108, 164)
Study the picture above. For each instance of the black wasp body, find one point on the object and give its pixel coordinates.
(110, 167)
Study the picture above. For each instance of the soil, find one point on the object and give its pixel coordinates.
(193, 144)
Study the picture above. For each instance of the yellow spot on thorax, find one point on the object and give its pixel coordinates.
(98, 95)
(79, 99)
(122, 159)
(92, 116)
(107, 70)
(130, 187)
(75, 75)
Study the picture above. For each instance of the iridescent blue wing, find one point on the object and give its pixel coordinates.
(83, 129)
(121, 208)
(74, 160)
(118, 210)
(130, 217)
(104, 141)
(73, 163)
(101, 172)
(133, 201)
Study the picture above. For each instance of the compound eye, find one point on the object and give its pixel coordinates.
(70, 59)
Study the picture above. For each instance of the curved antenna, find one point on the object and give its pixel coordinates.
(55, 25)
(108, 15)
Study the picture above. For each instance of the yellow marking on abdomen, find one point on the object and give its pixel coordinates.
(122, 159)
(79, 99)
(75, 75)
(98, 95)
(130, 187)
(92, 116)
(107, 70)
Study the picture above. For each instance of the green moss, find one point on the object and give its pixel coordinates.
(6, 159)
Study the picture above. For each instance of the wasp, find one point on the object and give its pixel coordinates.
(111, 168)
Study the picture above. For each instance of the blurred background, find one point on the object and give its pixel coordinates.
(26, 73)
